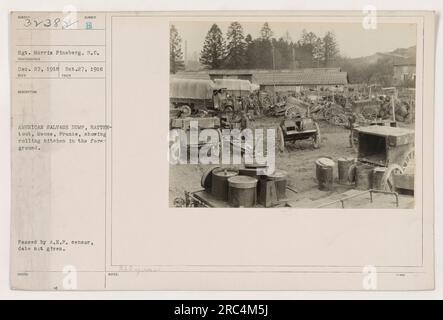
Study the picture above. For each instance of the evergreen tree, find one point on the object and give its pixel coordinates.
(265, 48)
(213, 52)
(266, 32)
(330, 48)
(236, 47)
(175, 51)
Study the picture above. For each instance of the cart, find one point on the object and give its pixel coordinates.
(204, 199)
(353, 136)
(296, 128)
(391, 148)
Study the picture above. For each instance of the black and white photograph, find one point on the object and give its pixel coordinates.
(222, 151)
(291, 114)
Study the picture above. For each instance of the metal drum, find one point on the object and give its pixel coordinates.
(280, 178)
(219, 186)
(324, 169)
(206, 180)
(242, 191)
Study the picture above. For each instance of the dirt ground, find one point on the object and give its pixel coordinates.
(298, 160)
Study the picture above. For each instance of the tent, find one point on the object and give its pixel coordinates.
(190, 89)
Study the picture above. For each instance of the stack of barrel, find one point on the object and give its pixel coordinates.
(229, 185)
(247, 186)
(350, 172)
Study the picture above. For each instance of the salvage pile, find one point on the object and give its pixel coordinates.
(330, 112)
(364, 110)
(403, 111)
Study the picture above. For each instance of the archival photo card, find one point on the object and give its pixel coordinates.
(245, 150)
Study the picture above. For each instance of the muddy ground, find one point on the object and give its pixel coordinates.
(298, 160)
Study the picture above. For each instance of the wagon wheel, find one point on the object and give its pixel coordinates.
(185, 111)
(179, 202)
(408, 163)
(353, 139)
(267, 102)
(292, 112)
(317, 136)
(228, 109)
(387, 181)
(280, 140)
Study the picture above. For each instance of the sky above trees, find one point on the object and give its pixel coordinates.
(265, 49)
(237, 51)
(353, 39)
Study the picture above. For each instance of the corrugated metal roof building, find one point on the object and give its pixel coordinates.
(196, 75)
(281, 80)
(404, 71)
(297, 80)
(302, 78)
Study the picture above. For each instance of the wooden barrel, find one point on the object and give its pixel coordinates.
(363, 176)
(324, 169)
(219, 186)
(280, 178)
(343, 165)
(242, 191)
